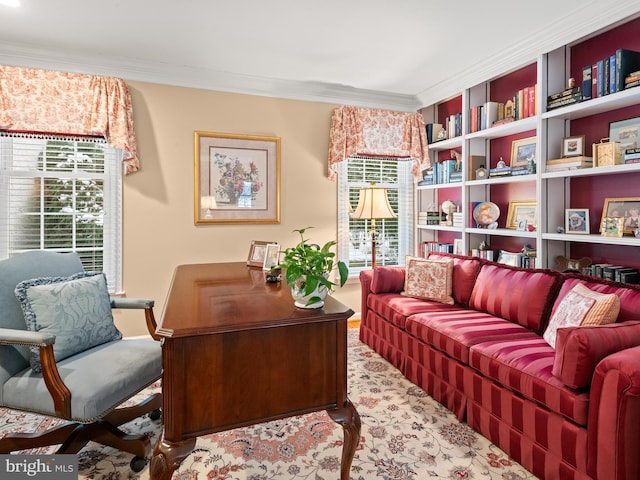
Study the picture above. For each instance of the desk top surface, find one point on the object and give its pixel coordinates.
(213, 298)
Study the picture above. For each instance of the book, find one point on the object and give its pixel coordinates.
(594, 80)
(612, 74)
(586, 82)
(627, 62)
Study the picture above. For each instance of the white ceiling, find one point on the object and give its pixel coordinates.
(402, 54)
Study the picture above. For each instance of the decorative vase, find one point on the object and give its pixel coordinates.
(300, 299)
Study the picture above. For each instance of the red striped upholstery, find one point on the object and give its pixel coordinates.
(396, 308)
(629, 294)
(455, 331)
(465, 272)
(524, 365)
(579, 349)
(520, 295)
(388, 280)
(384, 338)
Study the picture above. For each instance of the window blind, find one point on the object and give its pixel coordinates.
(63, 194)
(395, 236)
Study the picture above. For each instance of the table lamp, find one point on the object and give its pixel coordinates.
(373, 204)
(208, 203)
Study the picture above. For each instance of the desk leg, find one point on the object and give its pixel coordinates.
(167, 457)
(349, 418)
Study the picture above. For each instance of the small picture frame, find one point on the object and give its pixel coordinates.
(612, 226)
(271, 256)
(576, 220)
(522, 211)
(573, 146)
(628, 208)
(523, 151)
(521, 226)
(257, 253)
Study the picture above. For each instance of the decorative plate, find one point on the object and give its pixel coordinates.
(486, 213)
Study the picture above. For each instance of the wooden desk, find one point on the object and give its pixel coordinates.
(237, 352)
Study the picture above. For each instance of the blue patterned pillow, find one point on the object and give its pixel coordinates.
(76, 309)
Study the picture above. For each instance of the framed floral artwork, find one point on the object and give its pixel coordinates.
(237, 178)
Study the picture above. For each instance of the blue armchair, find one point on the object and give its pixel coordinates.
(62, 356)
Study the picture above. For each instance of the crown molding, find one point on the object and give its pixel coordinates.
(557, 33)
(184, 76)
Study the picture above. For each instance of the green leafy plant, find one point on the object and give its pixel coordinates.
(308, 265)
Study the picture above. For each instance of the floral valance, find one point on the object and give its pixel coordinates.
(68, 103)
(366, 131)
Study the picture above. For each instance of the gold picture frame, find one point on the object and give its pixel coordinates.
(573, 146)
(611, 226)
(522, 151)
(237, 178)
(519, 211)
(627, 208)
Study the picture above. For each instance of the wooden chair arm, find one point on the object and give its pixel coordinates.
(59, 392)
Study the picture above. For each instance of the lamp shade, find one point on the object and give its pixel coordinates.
(208, 202)
(373, 203)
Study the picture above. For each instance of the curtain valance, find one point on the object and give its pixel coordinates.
(366, 131)
(36, 100)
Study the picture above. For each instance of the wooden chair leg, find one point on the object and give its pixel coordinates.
(106, 434)
(13, 442)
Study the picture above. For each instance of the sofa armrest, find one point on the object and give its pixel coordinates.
(614, 412)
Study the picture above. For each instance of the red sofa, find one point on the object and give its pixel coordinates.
(572, 412)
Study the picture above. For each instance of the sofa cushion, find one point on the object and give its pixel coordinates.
(580, 349)
(387, 280)
(465, 272)
(582, 306)
(429, 279)
(76, 309)
(629, 295)
(454, 331)
(525, 366)
(523, 296)
(395, 308)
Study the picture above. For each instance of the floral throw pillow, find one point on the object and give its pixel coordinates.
(581, 307)
(429, 279)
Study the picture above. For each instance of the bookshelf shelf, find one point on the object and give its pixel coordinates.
(554, 192)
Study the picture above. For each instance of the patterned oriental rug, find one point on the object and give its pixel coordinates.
(405, 435)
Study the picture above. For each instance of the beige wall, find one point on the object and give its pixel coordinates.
(159, 231)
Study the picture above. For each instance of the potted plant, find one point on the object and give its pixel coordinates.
(307, 269)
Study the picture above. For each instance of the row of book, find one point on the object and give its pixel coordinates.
(489, 114)
(569, 163)
(611, 74)
(427, 247)
(615, 273)
(442, 172)
(452, 127)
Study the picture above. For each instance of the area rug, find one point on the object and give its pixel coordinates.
(405, 435)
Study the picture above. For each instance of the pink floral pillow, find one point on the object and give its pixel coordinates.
(582, 307)
(429, 279)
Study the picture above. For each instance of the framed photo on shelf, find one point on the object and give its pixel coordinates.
(521, 226)
(237, 178)
(257, 253)
(627, 132)
(573, 146)
(628, 209)
(576, 220)
(523, 151)
(611, 226)
(271, 256)
(519, 211)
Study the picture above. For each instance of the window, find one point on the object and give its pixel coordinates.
(63, 194)
(394, 236)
